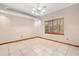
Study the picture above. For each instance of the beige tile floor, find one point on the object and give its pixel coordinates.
(38, 47)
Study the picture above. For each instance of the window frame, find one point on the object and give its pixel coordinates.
(57, 33)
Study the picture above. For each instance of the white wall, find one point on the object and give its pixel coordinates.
(71, 25)
(15, 28)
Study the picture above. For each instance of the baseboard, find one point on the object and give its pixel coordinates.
(18, 40)
(41, 38)
(60, 42)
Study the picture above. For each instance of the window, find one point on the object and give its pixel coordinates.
(55, 26)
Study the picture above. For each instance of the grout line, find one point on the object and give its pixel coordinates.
(8, 51)
(21, 52)
(67, 51)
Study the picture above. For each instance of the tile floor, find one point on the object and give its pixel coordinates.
(38, 47)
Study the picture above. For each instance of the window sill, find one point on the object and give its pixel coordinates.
(56, 33)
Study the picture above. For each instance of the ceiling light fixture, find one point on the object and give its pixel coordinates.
(39, 10)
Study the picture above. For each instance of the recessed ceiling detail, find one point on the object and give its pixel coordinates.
(26, 8)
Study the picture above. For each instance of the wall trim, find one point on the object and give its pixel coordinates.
(41, 38)
(60, 42)
(17, 40)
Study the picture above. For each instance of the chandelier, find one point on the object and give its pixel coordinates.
(39, 10)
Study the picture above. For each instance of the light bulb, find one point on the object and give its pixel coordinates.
(39, 8)
(33, 9)
(43, 10)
